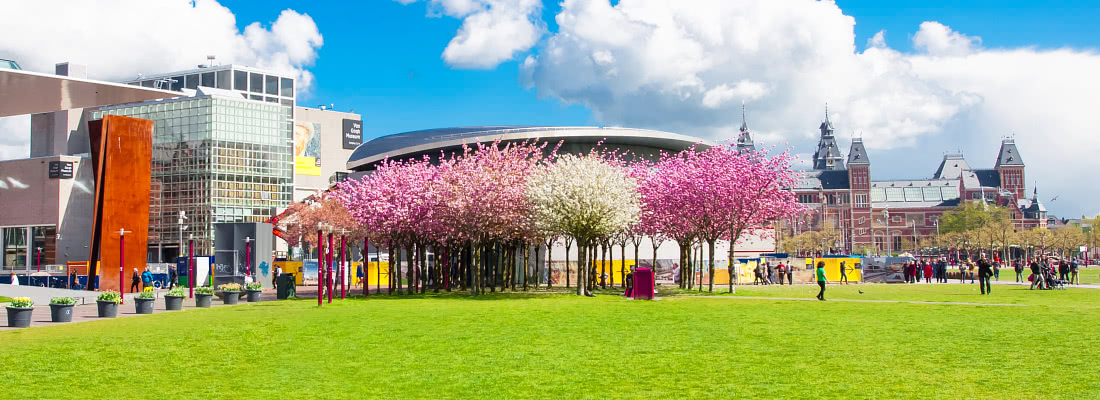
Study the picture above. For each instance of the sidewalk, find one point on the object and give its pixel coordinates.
(89, 311)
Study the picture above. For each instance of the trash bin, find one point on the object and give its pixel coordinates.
(285, 286)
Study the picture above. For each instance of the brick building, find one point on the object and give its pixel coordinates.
(892, 215)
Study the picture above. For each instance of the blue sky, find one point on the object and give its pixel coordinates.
(914, 79)
(382, 59)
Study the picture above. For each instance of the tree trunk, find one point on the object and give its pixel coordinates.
(389, 269)
(603, 265)
(733, 242)
(567, 268)
(527, 264)
(550, 264)
(580, 268)
(710, 250)
(622, 264)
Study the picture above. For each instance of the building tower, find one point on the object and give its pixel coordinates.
(827, 156)
(859, 183)
(744, 140)
(1010, 167)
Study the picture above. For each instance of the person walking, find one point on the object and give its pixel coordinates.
(905, 272)
(927, 273)
(135, 281)
(985, 271)
(1063, 270)
(997, 270)
(146, 279)
(1036, 275)
(780, 270)
(790, 274)
(970, 270)
(756, 279)
(1074, 277)
(1019, 268)
(771, 273)
(843, 273)
(172, 277)
(14, 280)
(820, 275)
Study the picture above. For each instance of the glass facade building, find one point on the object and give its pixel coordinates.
(251, 83)
(218, 159)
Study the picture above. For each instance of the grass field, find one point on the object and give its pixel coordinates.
(562, 346)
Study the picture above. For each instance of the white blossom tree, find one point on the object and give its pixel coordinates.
(586, 197)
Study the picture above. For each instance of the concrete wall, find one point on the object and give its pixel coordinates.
(334, 157)
(28, 197)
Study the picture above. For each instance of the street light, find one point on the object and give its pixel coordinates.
(886, 218)
(179, 221)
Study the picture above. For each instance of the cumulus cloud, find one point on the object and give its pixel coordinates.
(492, 31)
(938, 39)
(685, 66)
(130, 37)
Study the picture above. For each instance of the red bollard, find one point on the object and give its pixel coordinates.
(366, 267)
(190, 269)
(320, 262)
(328, 281)
(343, 271)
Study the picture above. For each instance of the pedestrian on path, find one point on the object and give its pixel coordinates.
(843, 273)
(14, 279)
(1019, 268)
(997, 270)
(1036, 275)
(985, 271)
(790, 274)
(146, 279)
(1074, 278)
(927, 273)
(820, 273)
(135, 281)
(172, 277)
(782, 271)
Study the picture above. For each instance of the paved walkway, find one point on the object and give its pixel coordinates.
(89, 311)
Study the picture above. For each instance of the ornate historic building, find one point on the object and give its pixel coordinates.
(892, 215)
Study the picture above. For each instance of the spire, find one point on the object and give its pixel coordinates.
(744, 140)
(827, 156)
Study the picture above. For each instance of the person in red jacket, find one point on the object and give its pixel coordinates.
(927, 272)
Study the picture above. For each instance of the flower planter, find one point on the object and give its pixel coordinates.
(254, 295)
(61, 312)
(230, 297)
(107, 309)
(173, 303)
(202, 300)
(143, 306)
(19, 317)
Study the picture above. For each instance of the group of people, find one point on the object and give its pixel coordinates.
(933, 268)
(140, 281)
(1047, 273)
(765, 274)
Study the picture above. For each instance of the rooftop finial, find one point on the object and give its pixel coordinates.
(826, 111)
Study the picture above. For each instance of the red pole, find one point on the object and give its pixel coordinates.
(121, 263)
(329, 283)
(190, 268)
(320, 261)
(343, 271)
(366, 267)
(39, 258)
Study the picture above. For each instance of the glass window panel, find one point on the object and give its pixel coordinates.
(177, 83)
(878, 195)
(913, 194)
(271, 82)
(932, 194)
(894, 194)
(287, 87)
(15, 247)
(208, 79)
(240, 80)
(223, 79)
(192, 81)
(950, 192)
(255, 82)
(147, 84)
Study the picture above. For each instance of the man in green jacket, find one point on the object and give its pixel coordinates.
(820, 273)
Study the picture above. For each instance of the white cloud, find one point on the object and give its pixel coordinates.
(492, 31)
(120, 39)
(938, 39)
(678, 66)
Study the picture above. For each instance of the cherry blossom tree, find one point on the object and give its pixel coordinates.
(586, 197)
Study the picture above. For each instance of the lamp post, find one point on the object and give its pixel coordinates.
(365, 265)
(191, 267)
(179, 221)
(121, 262)
(343, 270)
(248, 256)
(329, 276)
(889, 240)
(39, 258)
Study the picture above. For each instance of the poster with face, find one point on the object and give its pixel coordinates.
(307, 149)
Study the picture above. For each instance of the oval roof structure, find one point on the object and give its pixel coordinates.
(429, 141)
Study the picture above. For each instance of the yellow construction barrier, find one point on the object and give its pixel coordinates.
(291, 267)
(832, 267)
(615, 270)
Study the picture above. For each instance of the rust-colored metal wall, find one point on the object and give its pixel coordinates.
(122, 150)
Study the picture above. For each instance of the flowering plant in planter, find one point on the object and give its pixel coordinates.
(176, 292)
(204, 290)
(111, 296)
(147, 294)
(21, 302)
(230, 287)
(254, 286)
(66, 301)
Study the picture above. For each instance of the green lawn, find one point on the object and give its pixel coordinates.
(562, 346)
(1090, 275)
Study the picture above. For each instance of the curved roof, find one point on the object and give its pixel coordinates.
(418, 142)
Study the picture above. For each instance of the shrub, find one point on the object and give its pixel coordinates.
(63, 300)
(255, 286)
(147, 294)
(175, 292)
(21, 302)
(110, 295)
(230, 287)
(204, 290)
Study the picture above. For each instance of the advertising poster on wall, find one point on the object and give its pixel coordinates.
(307, 149)
(353, 133)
